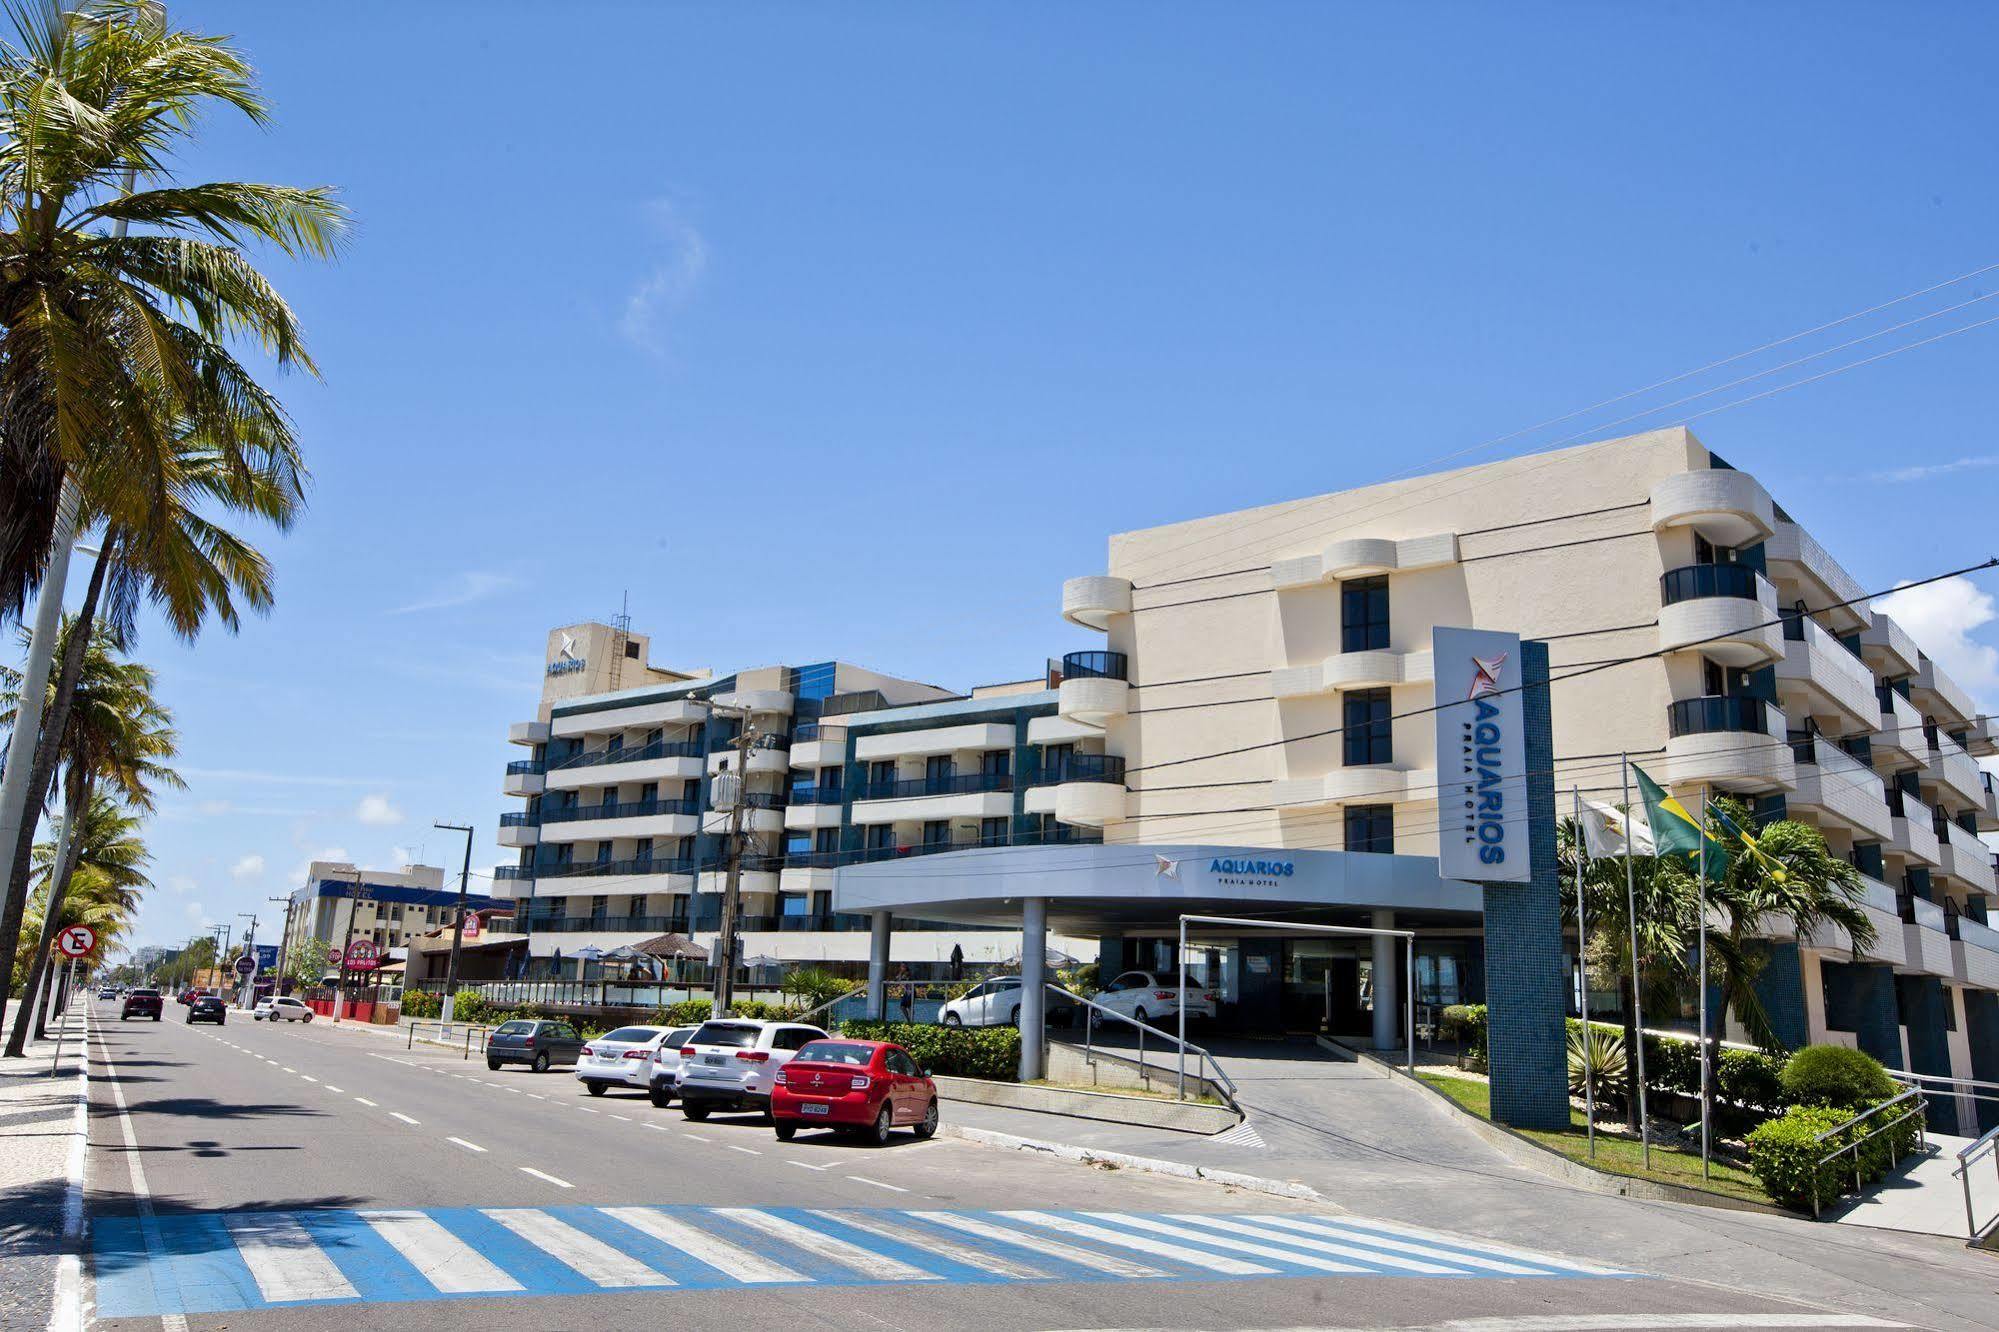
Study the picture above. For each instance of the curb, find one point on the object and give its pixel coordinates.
(1062, 1151)
(67, 1315)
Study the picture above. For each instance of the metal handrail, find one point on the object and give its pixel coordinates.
(830, 1003)
(1915, 1111)
(1221, 1079)
(1986, 1091)
(470, 1029)
(1989, 1144)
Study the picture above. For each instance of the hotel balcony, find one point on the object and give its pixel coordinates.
(759, 702)
(1965, 859)
(763, 812)
(1835, 788)
(1727, 507)
(1912, 829)
(1942, 697)
(1793, 554)
(976, 737)
(1359, 557)
(1926, 941)
(594, 877)
(762, 758)
(807, 877)
(1085, 789)
(635, 818)
(662, 761)
(819, 744)
(972, 795)
(1955, 773)
(1369, 785)
(1821, 677)
(629, 717)
(1055, 730)
(1093, 600)
(1887, 647)
(1987, 807)
(524, 778)
(1093, 687)
(1727, 612)
(1899, 743)
(1975, 952)
(1880, 904)
(1733, 742)
(812, 807)
(759, 875)
(519, 829)
(528, 733)
(1352, 670)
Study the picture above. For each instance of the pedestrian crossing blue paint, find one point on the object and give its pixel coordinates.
(192, 1263)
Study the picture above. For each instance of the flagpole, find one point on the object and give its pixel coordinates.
(1702, 905)
(1582, 971)
(1637, 980)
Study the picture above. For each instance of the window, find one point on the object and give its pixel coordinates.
(1367, 730)
(938, 769)
(992, 832)
(642, 850)
(996, 762)
(826, 839)
(648, 793)
(902, 1065)
(600, 907)
(1364, 614)
(610, 795)
(832, 779)
(1055, 762)
(1371, 828)
(638, 907)
(881, 772)
(603, 853)
(937, 832)
(616, 744)
(881, 836)
(798, 843)
(655, 736)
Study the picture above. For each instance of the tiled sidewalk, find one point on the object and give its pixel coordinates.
(39, 1131)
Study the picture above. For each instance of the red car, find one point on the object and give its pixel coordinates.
(866, 1087)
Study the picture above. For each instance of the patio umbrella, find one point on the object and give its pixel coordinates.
(587, 953)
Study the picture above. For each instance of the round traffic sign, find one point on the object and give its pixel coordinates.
(76, 940)
(245, 964)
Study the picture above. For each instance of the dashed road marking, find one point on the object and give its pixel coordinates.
(397, 1114)
(468, 1146)
(543, 1175)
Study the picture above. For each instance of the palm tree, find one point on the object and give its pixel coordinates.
(104, 862)
(115, 348)
(118, 737)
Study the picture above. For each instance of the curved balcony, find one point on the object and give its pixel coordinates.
(1371, 785)
(1095, 666)
(1352, 670)
(1093, 700)
(1082, 768)
(1091, 601)
(1359, 557)
(1091, 804)
(1723, 611)
(1734, 742)
(524, 778)
(1727, 507)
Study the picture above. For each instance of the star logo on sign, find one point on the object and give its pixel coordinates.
(568, 649)
(1485, 675)
(1167, 869)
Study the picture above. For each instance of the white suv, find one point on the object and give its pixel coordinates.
(728, 1063)
(283, 1009)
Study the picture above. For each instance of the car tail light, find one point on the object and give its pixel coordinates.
(638, 1054)
(780, 1079)
(686, 1052)
(1162, 994)
(586, 1052)
(1208, 998)
(862, 1082)
(754, 1056)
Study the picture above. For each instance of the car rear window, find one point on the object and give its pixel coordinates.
(636, 1035)
(514, 1029)
(838, 1052)
(145, 994)
(678, 1036)
(737, 1034)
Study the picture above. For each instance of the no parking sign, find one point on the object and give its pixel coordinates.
(74, 941)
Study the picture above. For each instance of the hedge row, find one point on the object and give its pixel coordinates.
(1787, 1155)
(966, 1052)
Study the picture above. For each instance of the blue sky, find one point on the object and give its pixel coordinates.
(852, 331)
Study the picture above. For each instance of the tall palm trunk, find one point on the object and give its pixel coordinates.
(41, 777)
(78, 799)
(1631, 1039)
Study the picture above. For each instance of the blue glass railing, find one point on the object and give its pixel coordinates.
(1693, 581)
(658, 749)
(935, 786)
(1094, 665)
(630, 810)
(1708, 716)
(1083, 768)
(524, 768)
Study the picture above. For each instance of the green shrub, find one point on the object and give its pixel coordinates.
(1467, 1023)
(421, 1004)
(1784, 1153)
(1837, 1076)
(763, 1012)
(686, 1013)
(1753, 1079)
(1604, 1070)
(966, 1052)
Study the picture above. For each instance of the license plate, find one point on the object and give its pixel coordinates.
(809, 1109)
(711, 1059)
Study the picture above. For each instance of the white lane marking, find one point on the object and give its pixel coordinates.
(621, 1119)
(538, 1174)
(660, 1127)
(397, 1114)
(308, 1077)
(288, 1070)
(1590, 1322)
(586, 1109)
(1539, 1260)
(1244, 1227)
(468, 1146)
(537, 1096)
(446, 1262)
(892, 1188)
(596, 1260)
(1326, 1228)
(284, 1260)
(693, 1137)
(1048, 1248)
(517, 1091)
(1160, 1248)
(337, 1091)
(746, 1151)
(1249, 1247)
(943, 1248)
(365, 1101)
(807, 1165)
(724, 1257)
(878, 1266)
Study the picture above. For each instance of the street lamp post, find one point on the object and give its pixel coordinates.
(457, 925)
(734, 787)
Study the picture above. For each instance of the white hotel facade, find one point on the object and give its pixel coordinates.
(1252, 677)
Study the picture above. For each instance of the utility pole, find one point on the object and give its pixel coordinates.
(346, 945)
(746, 738)
(247, 985)
(284, 945)
(457, 924)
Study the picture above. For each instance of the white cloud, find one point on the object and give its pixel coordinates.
(195, 912)
(376, 810)
(180, 884)
(212, 807)
(670, 282)
(466, 588)
(1942, 618)
(1924, 471)
(249, 867)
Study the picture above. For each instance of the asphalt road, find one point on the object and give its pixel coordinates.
(298, 1176)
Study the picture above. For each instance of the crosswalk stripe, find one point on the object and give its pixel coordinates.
(1377, 1257)
(1481, 1246)
(1109, 1264)
(878, 1266)
(447, 1262)
(1331, 1228)
(730, 1260)
(594, 1259)
(1214, 1262)
(957, 1253)
(284, 1261)
(1233, 1245)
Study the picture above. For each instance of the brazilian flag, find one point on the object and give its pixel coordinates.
(1676, 832)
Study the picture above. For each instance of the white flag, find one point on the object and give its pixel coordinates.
(1604, 829)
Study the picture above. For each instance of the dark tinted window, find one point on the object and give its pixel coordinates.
(736, 1034)
(636, 1035)
(1364, 614)
(1367, 730)
(837, 1052)
(1371, 828)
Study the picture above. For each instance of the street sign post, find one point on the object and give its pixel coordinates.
(73, 942)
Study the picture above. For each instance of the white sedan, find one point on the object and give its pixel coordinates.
(621, 1058)
(283, 1009)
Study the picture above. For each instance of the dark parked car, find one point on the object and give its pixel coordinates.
(536, 1044)
(208, 1008)
(142, 1003)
